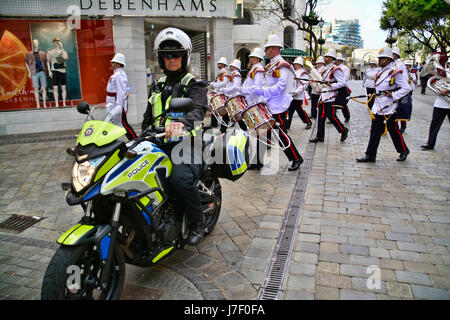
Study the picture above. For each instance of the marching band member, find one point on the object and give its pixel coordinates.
(222, 75)
(234, 79)
(315, 95)
(368, 82)
(299, 95)
(393, 84)
(334, 79)
(116, 95)
(344, 92)
(398, 63)
(278, 99)
(254, 79)
(412, 80)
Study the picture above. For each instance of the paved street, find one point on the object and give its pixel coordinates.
(389, 214)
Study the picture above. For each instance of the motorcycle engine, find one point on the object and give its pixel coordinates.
(167, 232)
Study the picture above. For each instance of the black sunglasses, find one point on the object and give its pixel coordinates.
(169, 55)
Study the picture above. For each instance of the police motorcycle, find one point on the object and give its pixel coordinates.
(129, 213)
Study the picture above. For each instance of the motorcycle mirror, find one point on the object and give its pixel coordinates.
(83, 107)
(181, 105)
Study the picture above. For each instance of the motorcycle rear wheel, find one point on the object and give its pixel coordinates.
(211, 218)
(74, 274)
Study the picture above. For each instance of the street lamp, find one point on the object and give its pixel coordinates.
(391, 40)
(321, 40)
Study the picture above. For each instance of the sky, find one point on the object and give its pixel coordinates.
(367, 11)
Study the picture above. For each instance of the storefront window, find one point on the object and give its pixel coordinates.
(47, 60)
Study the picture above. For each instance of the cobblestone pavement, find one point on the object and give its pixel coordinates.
(389, 214)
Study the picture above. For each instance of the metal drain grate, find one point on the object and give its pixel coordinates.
(272, 287)
(18, 223)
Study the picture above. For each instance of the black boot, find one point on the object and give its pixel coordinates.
(427, 147)
(296, 164)
(196, 233)
(366, 159)
(344, 134)
(316, 139)
(403, 156)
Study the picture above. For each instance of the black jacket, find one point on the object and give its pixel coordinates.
(196, 90)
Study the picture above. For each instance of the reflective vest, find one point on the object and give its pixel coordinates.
(156, 101)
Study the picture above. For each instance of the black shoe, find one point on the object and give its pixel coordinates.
(347, 119)
(296, 164)
(315, 140)
(257, 166)
(402, 129)
(328, 122)
(308, 126)
(427, 147)
(196, 234)
(344, 134)
(403, 156)
(366, 159)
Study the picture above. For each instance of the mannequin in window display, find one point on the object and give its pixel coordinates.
(36, 63)
(56, 59)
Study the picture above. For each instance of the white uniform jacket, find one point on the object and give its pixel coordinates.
(276, 78)
(369, 76)
(389, 79)
(116, 93)
(301, 77)
(320, 70)
(412, 79)
(336, 76)
(234, 84)
(221, 79)
(254, 79)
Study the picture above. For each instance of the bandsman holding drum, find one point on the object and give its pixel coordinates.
(299, 95)
(333, 79)
(222, 75)
(234, 79)
(254, 79)
(275, 92)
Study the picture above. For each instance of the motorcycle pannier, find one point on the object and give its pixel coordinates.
(230, 155)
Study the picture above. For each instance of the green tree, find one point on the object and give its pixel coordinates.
(427, 22)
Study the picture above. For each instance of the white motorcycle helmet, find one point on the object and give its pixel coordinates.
(173, 41)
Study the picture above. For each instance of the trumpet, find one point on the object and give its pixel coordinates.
(315, 77)
(438, 84)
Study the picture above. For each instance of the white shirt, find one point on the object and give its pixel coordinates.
(387, 105)
(234, 84)
(117, 84)
(412, 79)
(333, 74)
(369, 76)
(275, 87)
(320, 70)
(302, 84)
(440, 102)
(221, 79)
(345, 70)
(255, 78)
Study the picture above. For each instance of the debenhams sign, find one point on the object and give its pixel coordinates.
(186, 8)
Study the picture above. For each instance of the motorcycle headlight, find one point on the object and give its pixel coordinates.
(83, 173)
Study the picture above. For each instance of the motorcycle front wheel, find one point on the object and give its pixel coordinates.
(74, 273)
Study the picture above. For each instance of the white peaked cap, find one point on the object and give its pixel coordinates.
(236, 63)
(223, 60)
(273, 40)
(119, 58)
(396, 50)
(340, 57)
(298, 60)
(258, 53)
(385, 52)
(320, 60)
(330, 53)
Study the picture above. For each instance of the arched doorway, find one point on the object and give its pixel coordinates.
(242, 55)
(288, 37)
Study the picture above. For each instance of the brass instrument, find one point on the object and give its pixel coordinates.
(315, 77)
(439, 81)
(438, 84)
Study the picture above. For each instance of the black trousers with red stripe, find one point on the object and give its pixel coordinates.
(296, 106)
(326, 110)
(291, 152)
(376, 131)
(131, 135)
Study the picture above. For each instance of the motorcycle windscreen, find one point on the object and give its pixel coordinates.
(99, 132)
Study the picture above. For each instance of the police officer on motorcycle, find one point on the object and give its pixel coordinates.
(173, 48)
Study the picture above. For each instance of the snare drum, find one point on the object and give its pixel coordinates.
(217, 105)
(257, 117)
(235, 106)
(210, 95)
